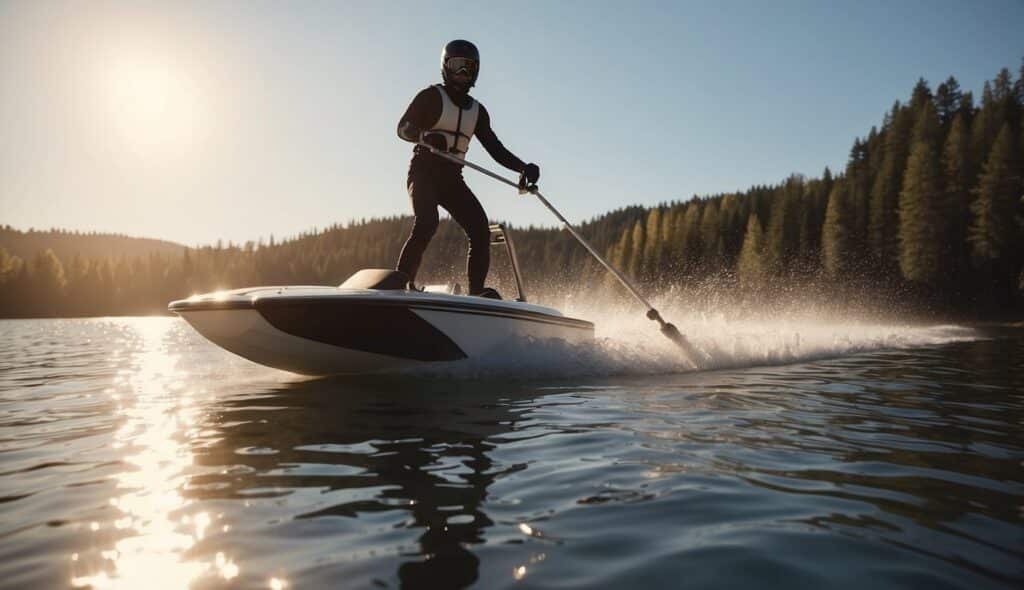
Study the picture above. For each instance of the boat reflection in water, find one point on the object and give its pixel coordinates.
(380, 470)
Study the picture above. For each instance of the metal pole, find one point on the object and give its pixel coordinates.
(510, 247)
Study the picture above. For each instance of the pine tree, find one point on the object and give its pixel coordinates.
(947, 100)
(101, 278)
(837, 246)
(673, 248)
(689, 242)
(7, 264)
(1020, 166)
(47, 283)
(732, 225)
(711, 243)
(993, 234)
(653, 245)
(77, 282)
(883, 224)
(636, 254)
(967, 105)
(812, 217)
(667, 236)
(858, 176)
(1007, 106)
(919, 96)
(1018, 86)
(17, 290)
(875, 147)
(1002, 86)
(621, 253)
(9, 269)
(783, 232)
(921, 206)
(751, 267)
(957, 176)
(984, 126)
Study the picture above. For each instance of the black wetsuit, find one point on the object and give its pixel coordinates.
(434, 181)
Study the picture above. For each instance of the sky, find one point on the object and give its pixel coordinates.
(194, 121)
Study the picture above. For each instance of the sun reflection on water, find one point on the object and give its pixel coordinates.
(154, 525)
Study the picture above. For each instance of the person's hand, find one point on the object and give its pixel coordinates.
(532, 173)
(436, 141)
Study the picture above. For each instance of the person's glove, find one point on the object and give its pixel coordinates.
(532, 173)
(436, 141)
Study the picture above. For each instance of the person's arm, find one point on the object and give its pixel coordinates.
(423, 111)
(493, 145)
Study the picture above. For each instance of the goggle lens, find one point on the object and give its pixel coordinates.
(457, 64)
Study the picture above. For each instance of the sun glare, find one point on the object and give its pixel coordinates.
(152, 105)
(156, 525)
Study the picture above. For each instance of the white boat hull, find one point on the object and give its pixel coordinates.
(328, 330)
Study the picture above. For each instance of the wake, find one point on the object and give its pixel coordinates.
(627, 343)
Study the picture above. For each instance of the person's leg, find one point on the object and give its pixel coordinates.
(423, 193)
(466, 210)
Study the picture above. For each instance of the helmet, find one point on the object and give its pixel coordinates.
(457, 55)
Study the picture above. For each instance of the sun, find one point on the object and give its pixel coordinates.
(152, 106)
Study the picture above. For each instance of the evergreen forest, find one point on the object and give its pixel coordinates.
(928, 215)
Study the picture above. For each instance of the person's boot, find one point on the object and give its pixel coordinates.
(488, 293)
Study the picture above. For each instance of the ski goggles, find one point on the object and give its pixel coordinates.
(457, 64)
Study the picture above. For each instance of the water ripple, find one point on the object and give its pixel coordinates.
(132, 451)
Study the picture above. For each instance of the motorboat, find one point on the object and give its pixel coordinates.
(373, 322)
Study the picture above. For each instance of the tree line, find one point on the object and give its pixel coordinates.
(929, 209)
(67, 243)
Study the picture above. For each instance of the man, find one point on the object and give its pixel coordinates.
(446, 117)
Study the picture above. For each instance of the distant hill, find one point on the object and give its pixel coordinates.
(66, 244)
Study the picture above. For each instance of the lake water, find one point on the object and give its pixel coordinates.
(814, 454)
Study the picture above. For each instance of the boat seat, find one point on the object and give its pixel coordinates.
(447, 289)
(381, 279)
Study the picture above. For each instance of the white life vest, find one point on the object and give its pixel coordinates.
(456, 124)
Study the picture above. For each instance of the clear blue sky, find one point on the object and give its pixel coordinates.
(193, 121)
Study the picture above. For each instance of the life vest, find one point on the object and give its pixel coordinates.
(456, 124)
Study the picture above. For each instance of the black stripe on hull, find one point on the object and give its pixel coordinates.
(468, 307)
(380, 329)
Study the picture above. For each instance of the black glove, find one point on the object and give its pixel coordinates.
(532, 173)
(436, 141)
